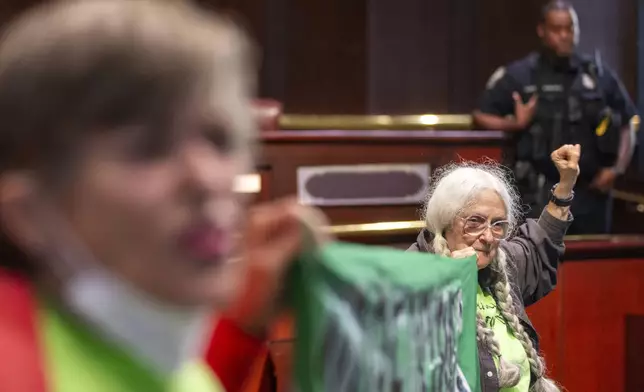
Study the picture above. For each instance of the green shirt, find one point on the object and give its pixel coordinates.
(510, 346)
(79, 361)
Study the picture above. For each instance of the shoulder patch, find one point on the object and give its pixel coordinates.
(496, 76)
(587, 81)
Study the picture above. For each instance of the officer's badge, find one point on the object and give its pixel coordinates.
(587, 82)
(496, 76)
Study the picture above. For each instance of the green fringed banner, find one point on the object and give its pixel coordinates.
(373, 319)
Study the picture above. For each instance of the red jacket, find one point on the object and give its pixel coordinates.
(231, 354)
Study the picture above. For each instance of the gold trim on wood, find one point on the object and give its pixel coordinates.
(401, 227)
(410, 227)
(371, 122)
(628, 196)
(413, 227)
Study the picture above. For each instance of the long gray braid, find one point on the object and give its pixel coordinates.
(509, 373)
(506, 307)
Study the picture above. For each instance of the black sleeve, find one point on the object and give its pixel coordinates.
(534, 254)
(617, 97)
(497, 97)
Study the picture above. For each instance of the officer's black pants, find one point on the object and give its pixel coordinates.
(592, 211)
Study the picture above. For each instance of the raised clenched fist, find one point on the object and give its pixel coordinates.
(566, 160)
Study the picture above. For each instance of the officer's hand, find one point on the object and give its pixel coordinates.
(604, 180)
(566, 160)
(275, 235)
(524, 112)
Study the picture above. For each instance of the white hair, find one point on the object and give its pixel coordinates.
(454, 188)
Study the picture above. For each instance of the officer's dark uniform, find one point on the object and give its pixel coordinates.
(579, 102)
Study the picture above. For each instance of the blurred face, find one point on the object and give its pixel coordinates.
(162, 214)
(559, 31)
(480, 226)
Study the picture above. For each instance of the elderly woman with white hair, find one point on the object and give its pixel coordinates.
(473, 210)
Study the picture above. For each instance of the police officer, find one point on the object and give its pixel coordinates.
(556, 96)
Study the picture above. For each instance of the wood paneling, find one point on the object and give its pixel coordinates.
(325, 56)
(284, 152)
(634, 350)
(597, 298)
(545, 316)
(464, 87)
(10, 8)
(505, 31)
(408, 50)
(410, 56)
(616, 41)
(590, 326)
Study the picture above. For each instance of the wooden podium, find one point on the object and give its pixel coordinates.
(365, 176)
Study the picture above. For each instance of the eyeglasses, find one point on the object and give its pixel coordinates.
(476, 225)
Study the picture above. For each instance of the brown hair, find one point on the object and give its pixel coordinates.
(69, 69)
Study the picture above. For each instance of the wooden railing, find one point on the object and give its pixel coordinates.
(589, 326)
(404, 122)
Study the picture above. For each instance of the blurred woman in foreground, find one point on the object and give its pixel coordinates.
(124, 125)
(473, 210)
